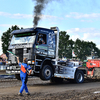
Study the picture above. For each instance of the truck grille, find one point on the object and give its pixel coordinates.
(19, 53)
(9, 55)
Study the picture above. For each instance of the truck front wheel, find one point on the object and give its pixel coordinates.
(79, 77)
(46, 72)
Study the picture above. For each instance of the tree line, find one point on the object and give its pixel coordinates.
(66, 45)
(81, 48)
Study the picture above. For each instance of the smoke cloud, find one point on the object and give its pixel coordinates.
(40, 5)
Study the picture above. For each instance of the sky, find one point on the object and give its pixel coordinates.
(79, 18)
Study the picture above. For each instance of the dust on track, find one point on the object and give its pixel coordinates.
(41, 90)
(44, 90)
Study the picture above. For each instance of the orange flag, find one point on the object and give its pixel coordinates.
(23, 69)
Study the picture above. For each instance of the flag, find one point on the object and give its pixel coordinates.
(23, 69)
(73, 54)
(11, 53)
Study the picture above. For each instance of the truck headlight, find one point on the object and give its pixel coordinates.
(8, 68)
(29, 62)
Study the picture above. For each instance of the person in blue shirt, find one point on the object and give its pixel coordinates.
(23, 75)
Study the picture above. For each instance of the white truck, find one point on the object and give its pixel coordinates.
(40, 46)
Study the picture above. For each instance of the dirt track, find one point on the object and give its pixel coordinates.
(44, 90)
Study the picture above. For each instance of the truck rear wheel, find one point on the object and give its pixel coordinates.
(46, 72)
(17, 76)
(79, 77)
(56, 80)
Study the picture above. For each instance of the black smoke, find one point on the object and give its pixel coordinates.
(39, 6)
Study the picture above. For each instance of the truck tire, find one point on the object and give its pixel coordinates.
(46, 72)
(56, 80)
(17, 76)
(79, 77)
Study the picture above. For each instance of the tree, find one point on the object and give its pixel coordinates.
(6, 38)
(83, 49)
(65, 45)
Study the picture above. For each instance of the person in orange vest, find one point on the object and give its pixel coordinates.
(23, 75)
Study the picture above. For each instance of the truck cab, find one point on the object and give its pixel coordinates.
(39, 46)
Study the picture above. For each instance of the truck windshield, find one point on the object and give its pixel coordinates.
(23, 38)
